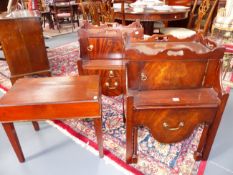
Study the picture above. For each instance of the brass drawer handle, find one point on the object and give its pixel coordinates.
(111, 74)
(143, 77)
(181, 125)
(116, 84)
(111, 87)
(90, 47)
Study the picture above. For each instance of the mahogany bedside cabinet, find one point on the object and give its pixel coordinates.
(172, 88)
(102, 52)
(32, 99)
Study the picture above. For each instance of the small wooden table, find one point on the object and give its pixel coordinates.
(51, 98)
(149, 16)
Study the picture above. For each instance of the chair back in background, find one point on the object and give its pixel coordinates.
(97, 11)
(201, 16)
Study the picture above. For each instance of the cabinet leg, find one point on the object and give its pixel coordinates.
(129, 131)
(13, 138)
(214, 128)
(36, 126)
(129, 144)
(135, 145)
(99, 135)
(124, 119)
(80, 67)
(201, 145)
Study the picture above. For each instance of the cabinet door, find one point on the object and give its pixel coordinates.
(105, 48)
(171, 74)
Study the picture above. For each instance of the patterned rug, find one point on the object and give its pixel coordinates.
(154, 157)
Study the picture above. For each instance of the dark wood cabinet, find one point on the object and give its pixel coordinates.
(102, 52)
(23, 44)
(104, 48)
(112, 73)
(172, 88)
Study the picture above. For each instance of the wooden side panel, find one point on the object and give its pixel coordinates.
(23, 45)
(83, 43)
(213, 76)
(133, 73)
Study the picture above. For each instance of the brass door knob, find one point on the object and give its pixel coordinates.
(111, 87)
(90, 47)
(111, 74)
(143, 77)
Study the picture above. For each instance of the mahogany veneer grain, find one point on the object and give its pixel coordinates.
(173, 87)
(51, 98)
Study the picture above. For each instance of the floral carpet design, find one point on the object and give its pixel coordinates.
(153, 157)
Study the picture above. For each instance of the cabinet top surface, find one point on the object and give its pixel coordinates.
(19, 14)
(55, 90)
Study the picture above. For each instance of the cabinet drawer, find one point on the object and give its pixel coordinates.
(112, 81)
(173, 125)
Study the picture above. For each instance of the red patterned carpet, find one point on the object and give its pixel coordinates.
(154, 157)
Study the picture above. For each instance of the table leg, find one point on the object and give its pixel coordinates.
(148, 27)
(50, 20)
(36, 126)
(135, 145)
(13, 138)
(99, 135)
(202, 142)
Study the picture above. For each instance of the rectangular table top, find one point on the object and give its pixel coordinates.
(55, 90)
